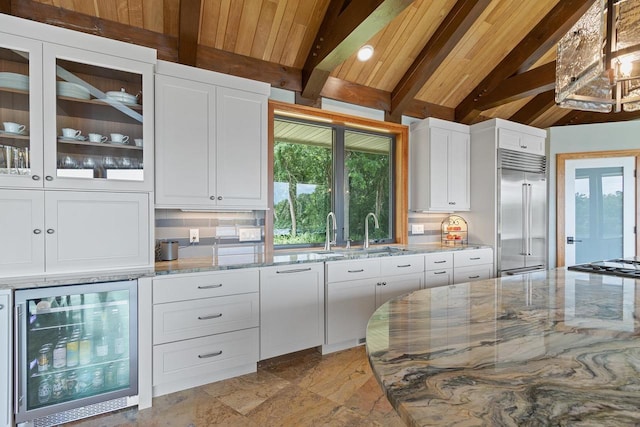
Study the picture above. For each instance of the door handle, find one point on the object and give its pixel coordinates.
(571, 240)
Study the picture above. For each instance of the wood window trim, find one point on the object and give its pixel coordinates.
(401, 156)
(561, 159)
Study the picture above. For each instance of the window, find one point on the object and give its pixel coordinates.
(319, 168)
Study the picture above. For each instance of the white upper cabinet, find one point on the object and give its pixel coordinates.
(211, 138)
(498, 133)
(439, 166)
(73, 104)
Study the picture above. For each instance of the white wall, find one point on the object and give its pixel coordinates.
(583, 138)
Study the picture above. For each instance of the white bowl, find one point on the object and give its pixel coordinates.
(122, 96)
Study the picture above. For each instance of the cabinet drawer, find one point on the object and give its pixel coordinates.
(438, 260)
(472, 273)
(191, 319)
(472, 257)
(441, 277)
(405, 264)
(339, 271)
(197, 286)
(199, 357)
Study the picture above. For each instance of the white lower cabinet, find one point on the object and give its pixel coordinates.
(438, 269)
(72, 231)
(394, 286)
(205, 328)
(472, 264)
(291, 309)
(350, 304)
(6, 352)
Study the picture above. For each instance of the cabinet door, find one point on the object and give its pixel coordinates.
(439, 167)
(21, 232)
(459, 163)
(349, 307)
(185, 113)
(6, 352)
(91, 231)
(393, 286)
(291, 309)
(441, 277)
(98, 134)
(21, 108)
(241, 149)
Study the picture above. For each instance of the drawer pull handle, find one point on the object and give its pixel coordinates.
(296, 270)
(404, 266)
(439, 272)
(439, 262)
(474, 277)
(474, 258)
(211, 316)
(219, 285)
(355, 271)
(206, 356)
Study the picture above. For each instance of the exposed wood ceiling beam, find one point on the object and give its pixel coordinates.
(190, 17)
(457, 22)
(345, 28)
(529, 83)
(5, 6)
(535, 44)
(59, 17)
(535, 108)
(582, 117)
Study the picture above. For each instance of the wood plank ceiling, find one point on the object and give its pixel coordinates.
(461, 60)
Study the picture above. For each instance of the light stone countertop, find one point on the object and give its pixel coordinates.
(72, 279)
(549, 348)
(258, 258)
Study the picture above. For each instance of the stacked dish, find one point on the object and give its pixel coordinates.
(72, 90)
(14, 81)
(122, 96)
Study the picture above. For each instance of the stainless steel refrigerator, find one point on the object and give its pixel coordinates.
(522, 212)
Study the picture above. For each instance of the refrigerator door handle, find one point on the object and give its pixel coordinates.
(525, 211)
(529, 215)
(17, 353)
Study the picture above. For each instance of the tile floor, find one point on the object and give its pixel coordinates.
(306, 389)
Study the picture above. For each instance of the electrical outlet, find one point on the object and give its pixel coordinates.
(194, 235)
(417, 228)
(249, 234)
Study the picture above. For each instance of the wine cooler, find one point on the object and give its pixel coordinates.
(76, 351)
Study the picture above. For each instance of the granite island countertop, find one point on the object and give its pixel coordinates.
(548, 348)
(252, 256)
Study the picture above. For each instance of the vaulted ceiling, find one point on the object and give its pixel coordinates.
(461, 60)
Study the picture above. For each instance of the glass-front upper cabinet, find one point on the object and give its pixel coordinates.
(20, 112)
(95, 122)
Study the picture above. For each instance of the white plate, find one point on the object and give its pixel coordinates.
(14, 81)
(77, 138)
(12, 133)
(72, 90)
(119, 143)
(122, 96)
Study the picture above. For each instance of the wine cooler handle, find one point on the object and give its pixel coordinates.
(17, 353)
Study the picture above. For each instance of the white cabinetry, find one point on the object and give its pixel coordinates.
(6, 354)
(439, 168)
(355, 288)
(71, 231)
(438, 269)
(205, 328)
(211, 138)
(291, 309)
(521, 141)
(472, 264)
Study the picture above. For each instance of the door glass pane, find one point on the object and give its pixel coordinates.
(303, 178)
(367, 184)
(99, 122)
(77, 346)
(599, 213)
(14, 112)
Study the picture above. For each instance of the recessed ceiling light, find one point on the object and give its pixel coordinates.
(365, 53)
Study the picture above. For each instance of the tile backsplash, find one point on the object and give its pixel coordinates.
(215, 229)
(431, 223)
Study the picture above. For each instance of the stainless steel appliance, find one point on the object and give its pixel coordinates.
(76, 351)
(522, 212)
(627, 267)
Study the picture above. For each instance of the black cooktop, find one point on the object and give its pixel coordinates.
(613, 267)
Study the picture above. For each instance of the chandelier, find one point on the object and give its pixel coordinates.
(598, 60)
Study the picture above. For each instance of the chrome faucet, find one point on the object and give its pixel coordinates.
(328, 242)
(366, 227)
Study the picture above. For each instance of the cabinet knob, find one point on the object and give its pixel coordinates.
(50, 231)
(219, 197)
(37, 231)
(36, 177)
(48, 178)
(212, 197)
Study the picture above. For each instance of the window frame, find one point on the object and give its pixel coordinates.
(399, 161)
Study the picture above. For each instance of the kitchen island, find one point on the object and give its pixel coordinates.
(548, 348)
